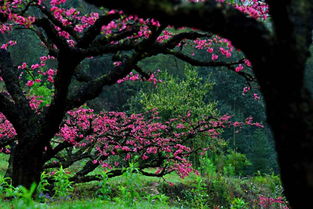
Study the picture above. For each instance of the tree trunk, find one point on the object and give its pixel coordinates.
(289, 107)
(27, 164)
(293, 131)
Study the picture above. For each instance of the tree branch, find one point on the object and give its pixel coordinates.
(210, 16)
(8, 108)
(68, 28)
(93, 88)
(94, 30)
(176, 39)
(52, 34)
(20, 108)
(99, 50)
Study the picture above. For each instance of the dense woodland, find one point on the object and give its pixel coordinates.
(105, 109)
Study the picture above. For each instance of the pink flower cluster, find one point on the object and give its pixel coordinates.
(40, 69)
(216, 46)
(254, 8)
(9, 43)
(6, 128)
(135, 77)
(35, 102)
(268, 202)
(124, 137)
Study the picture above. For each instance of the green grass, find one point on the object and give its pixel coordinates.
(181, 193)
(84, 204)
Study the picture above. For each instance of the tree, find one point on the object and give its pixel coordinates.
(174, 97)
(278, 56)
(70, 37)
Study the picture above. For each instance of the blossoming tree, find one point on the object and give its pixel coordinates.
(278, 52)
(35, 132)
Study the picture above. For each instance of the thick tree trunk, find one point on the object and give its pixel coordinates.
(27, 165)
(289, 107)
(292, 126)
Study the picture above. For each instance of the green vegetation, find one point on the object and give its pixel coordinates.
(221, 182)
(174, 97)
(132, 190)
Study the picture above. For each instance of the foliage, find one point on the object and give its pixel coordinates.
(25, 196)
(200, 193)
(62, 184)
(6, 188)
(129, 193)
(105, 189)
(132, 190)
(238, 203)
(42, 190)
(173, 97)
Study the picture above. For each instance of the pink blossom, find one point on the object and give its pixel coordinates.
(247, 62)
(23, 66)
(214, 57)
(34, 66)
(116, 64)
(256, 96)
(51, 72)
(210, 50)
(239, 68)
(30, 83)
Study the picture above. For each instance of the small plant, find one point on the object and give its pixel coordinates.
(42, 190)
(105, 189)
(162, 198)
(238, 203)
(229, 170)
(62, 184)
(207, 166)
(25, 195)
(6, 189)
(235, 163)
(200, 193)
(129, 192)
(272, 181)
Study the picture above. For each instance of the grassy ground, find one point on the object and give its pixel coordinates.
(142, 192)
(84, 204)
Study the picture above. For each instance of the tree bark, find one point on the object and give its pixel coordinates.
(27, 164)
(293, 131)
(289, 110)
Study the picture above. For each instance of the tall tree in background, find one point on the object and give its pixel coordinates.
(278, 57)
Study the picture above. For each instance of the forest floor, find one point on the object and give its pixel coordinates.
(138, 191)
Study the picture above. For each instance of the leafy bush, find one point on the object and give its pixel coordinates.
(62, 184)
